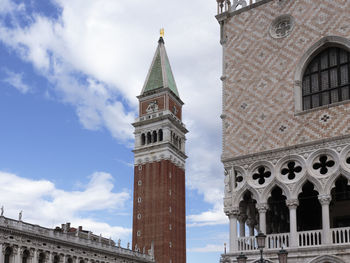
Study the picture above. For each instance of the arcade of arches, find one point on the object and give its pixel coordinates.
(311, 210)
(29, 256)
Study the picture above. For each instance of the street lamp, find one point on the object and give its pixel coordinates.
(282, 256)
(260, 239)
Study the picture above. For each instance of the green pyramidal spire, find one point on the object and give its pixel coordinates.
(160, 74)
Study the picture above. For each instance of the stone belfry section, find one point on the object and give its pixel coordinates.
(286, 127)
(159, 171)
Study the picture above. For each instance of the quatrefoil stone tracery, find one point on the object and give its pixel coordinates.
(291, 170)
(323, 164)
(261, 175)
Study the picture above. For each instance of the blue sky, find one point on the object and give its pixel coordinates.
(70, 71)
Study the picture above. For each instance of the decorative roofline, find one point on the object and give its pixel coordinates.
(55, 235)
(229, 8)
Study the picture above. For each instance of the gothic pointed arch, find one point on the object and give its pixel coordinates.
(240, 194)
(318, 47)
(269, 188)
(309, 211)
(326, 259)
(298, 187)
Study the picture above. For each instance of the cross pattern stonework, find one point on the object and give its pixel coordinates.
(283, 28)
(291, 170)
(261, 174)
(283, 128)
(325, 118)
(323, 164)
(244, 106)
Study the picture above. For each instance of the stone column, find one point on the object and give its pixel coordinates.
(2, 253)
(232, 215)
(262, 208)
(242, 219)
(292, 205)
(16, 254)
(33, 255)
(325, 200)
(49, 257)
(251, 224)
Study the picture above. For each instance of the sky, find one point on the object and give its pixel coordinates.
(70, 71)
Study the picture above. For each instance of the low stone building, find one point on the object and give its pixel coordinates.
(22, 242)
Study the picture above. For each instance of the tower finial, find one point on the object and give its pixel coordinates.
(162, 32)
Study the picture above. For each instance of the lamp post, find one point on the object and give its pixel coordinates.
(282, 256)
(260, 239)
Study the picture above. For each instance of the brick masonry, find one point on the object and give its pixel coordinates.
(259, 111)
(159, 210)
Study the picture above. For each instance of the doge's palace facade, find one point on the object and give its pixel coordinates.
(21, 242)
(286, 127)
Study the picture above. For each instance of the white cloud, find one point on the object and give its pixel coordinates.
(110, 44)
(16, 81)
(207, 218)
(44, 204)
(207, 248)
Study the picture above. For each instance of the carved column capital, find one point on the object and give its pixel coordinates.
(232, 211)
(292, 203)
(262, 207)
(15, 249)
(324, 199)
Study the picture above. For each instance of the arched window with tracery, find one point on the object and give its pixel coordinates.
(326, 79)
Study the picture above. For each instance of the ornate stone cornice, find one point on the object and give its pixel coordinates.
(300, 149)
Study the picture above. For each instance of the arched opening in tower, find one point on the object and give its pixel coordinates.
(277, 215)
(155, 137)
(339, 207)
(309, 211)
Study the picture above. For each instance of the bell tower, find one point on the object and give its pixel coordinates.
(159, 171)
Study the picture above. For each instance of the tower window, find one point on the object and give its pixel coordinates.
(160, 135)
(139, 200)
(143, 139)
(327, 78)
(139, 183)
(138, 233)
(149, 138)
(139, 216)
(154, 135)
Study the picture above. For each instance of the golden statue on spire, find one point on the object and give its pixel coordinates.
(162, 32)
